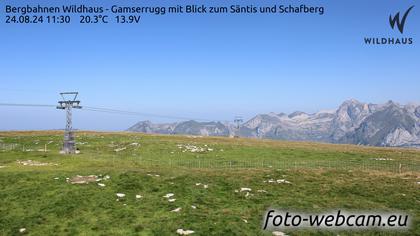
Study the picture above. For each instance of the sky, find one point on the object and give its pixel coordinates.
(213, 67)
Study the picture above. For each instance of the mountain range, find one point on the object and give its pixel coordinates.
(354, 122)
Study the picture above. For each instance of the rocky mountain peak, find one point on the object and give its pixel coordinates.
(354, 122)
(351, 101)
(296, 113)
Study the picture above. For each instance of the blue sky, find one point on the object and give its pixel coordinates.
(207, 66)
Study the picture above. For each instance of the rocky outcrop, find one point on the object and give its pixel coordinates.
(354, 122)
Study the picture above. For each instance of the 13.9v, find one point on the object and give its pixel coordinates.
(128, 19)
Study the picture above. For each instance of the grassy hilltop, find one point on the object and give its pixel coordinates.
(203, 173)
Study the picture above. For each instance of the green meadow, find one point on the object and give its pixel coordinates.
(204, 174)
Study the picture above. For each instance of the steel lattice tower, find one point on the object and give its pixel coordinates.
(69, 145)
(238, 121)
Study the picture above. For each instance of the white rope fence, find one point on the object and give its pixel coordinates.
(378, 164)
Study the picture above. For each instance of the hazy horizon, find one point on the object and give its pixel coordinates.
(80, 117)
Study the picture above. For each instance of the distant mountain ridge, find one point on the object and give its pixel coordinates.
(354, 122)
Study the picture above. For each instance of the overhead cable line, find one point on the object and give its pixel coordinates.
(25, 105)
(123, 112)
(110, 111)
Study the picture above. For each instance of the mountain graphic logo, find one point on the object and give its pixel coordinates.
(400, 22)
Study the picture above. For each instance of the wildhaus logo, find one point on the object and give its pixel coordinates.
(398, 21)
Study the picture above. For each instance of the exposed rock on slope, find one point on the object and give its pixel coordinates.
(353, 122)
(187, 127)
